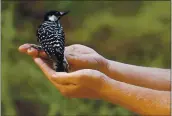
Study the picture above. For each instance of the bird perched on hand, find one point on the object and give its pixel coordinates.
(51, 39)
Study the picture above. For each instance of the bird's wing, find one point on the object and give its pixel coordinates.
(52, 41)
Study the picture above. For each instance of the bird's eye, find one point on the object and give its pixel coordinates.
(58, 13)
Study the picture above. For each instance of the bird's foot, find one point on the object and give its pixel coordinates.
(37, 47)
(66, 65)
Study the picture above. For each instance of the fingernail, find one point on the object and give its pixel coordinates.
(24, 46)
(30, 50)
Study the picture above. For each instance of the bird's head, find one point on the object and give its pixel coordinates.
(54, 15)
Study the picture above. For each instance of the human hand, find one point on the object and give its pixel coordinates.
(78, 57)
(84, 83)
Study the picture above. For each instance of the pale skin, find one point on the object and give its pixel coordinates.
(143, 90)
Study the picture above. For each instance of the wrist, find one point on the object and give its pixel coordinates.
(106, 87)
(105, 66)
(113, 70)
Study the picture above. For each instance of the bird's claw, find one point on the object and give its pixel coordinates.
(37, 47)
(66, 64)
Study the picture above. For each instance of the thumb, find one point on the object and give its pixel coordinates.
(67, 78)
(73, 58)
(86, 77)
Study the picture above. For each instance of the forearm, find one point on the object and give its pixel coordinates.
(143, 101)
(153, 78)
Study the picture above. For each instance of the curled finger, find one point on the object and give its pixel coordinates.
(33, 52)
(67, 78)
(67, 90)
(23, 48)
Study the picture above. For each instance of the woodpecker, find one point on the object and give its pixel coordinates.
(51, 39)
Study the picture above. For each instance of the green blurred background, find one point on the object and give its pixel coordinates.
(134, 32)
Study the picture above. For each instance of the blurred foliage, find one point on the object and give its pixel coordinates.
(134, 32)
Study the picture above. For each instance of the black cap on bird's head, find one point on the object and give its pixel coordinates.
(54, 15)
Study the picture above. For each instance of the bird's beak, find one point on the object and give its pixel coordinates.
(64, 13)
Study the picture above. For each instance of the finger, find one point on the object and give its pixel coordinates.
(70, 48)
(77, 60)
(72, 58)
(34, 52)
(67, 78)
(78, 48)
(47, 70)
(23, 48)
(67, 90)
(71, 54)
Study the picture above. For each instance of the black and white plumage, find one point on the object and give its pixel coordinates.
(51, 38)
